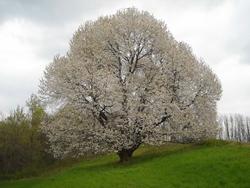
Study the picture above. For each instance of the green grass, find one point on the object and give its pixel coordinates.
(209, 165)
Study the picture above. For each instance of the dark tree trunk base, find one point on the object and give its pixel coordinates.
(126, 154)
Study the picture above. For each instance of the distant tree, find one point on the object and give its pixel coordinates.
(1, 116)
(126, 81)
(235, 127)
(36, 110)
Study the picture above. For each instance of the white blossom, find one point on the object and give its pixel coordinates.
(126, 81)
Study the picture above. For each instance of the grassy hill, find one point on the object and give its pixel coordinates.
(174, 165)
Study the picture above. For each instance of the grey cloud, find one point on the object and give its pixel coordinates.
(238, 35)
(57, 11)
(50, 11)
(15, 91)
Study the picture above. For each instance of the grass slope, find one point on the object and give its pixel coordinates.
(210, 165)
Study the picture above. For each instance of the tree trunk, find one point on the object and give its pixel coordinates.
(126, 154)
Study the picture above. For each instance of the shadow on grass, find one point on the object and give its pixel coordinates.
(143, 155)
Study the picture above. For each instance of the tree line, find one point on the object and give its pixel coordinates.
(22, 145)
(234, 127)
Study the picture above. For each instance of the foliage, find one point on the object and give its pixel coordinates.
(126, 81)
(22, 145)
(166, 166)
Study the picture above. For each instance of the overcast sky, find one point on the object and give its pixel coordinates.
(33, 31)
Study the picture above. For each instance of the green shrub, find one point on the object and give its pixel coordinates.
(22, 145)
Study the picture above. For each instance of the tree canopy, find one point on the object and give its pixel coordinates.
(126, 81)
